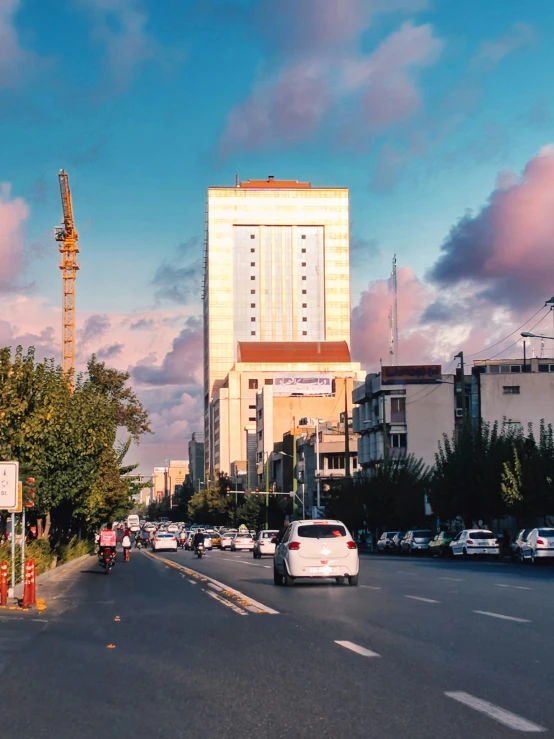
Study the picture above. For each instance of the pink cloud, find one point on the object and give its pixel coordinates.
(324, 69)
(286, 109)
(13, 214)
(120, 27)
(12, 55)
(491, 53)
(507, 247)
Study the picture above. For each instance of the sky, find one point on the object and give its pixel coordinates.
(437, 115)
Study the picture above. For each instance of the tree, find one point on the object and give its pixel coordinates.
(467, 476)
(128, 410)
(66, 441)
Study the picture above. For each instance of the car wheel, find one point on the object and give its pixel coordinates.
(532, 558)
(288, 579)
(353, 579)
(464, 553)
(277, 577)
(340, 580)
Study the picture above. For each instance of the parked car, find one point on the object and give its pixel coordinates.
(226, 540)
(474, 542)
(163, 541)
(385, 544)
(396, 546)
(517, 544)
(416, 541)
(264, 544)
(538, 545)
(242, 542)
(440, 545)
(316, 549)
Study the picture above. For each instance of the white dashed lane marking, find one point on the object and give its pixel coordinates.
(356, 648)
(503, 617)
(516, 587)
(370, 587)
(423, 600)
(511, 720)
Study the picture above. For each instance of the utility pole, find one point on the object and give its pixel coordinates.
(267, 492)
(294, 480)
(346, 433)
(460, 355)
(385, 434)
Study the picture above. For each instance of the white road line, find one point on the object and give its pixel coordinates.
(215, 587)
(370, 587)
(246, 598)
(403, 572)
(511, 720)
(452, 579)
(356, 648)
(505, 618)
(516, 587)
(266, 567)
(424, 600)
(191, 581)
(227, 603)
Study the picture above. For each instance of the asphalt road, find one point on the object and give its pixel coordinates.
(420, 648)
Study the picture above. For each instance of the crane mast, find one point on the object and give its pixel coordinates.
(68, 238)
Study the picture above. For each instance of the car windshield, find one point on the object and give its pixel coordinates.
(422, 534)
(481, 535)
(321, 531)
(546, 532)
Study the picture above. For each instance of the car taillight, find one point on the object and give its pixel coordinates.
(541, 541)
(469, 541)
(351, 545)
(294, 545)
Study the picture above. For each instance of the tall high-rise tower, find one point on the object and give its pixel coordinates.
(277, 269)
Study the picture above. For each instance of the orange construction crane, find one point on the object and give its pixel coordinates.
(68, 237)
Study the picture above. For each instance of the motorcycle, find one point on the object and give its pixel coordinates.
(182, 542)
(107, 560)
(138, 544)
(199, 551)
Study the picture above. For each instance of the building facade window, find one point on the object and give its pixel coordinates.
(252, 384)
(511, 389)
(398, 441)
(268, 382)
(398, 410)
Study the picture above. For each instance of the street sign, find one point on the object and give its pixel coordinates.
(9, 476)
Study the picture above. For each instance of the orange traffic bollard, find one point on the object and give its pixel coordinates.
(29, 586)
(4, 584)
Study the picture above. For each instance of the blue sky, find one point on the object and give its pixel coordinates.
(415, 105)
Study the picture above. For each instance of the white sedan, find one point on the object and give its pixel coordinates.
(164, 542)
(227, 540)
(242, 542)
(538, 545)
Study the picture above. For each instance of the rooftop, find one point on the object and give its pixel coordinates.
(284, 352)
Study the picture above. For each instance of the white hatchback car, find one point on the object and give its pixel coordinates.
(227, 540)
(264, 544)
(316, 549)
(538, 545)
(470, 542)
(164, 541)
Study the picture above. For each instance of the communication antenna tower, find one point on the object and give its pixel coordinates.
(393, 316)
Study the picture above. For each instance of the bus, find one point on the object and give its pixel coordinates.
(133, 522)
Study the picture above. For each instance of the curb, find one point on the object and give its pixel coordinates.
(18, 593)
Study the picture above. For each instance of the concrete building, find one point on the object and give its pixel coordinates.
(416, 405)
(270, 385)
(329, 469)
(168, 480)
(276, 270)
(196, 460)
(515, 393)
(421, 404)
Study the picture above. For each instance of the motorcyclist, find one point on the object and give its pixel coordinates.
(126, 544)
(107, 541)
(198, 539)
(182, 538)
